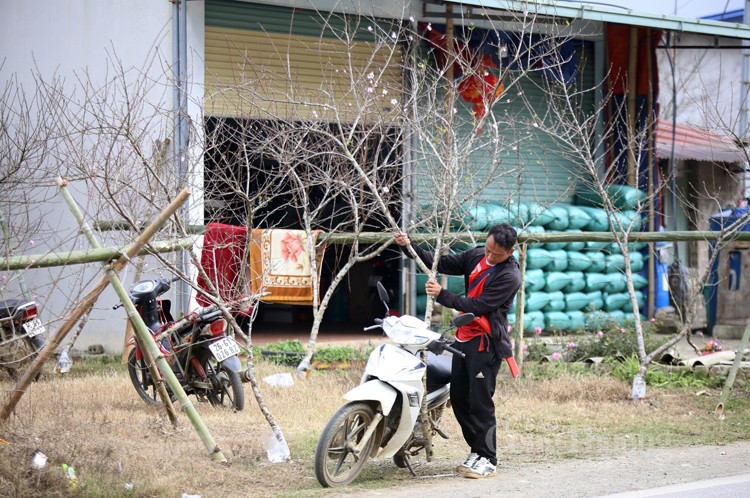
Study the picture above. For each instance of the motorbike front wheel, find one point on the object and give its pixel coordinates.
(142, 380)
(336, 461)
(227, 386)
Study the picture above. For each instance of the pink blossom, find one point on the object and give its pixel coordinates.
(538, 330)
(653, 320)
(570, 345)
(556, 356)
(510, 328)
(524, 348)
(622, 330)
(291, 247)
(599, 333)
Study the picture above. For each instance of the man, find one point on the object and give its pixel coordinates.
(492, 278)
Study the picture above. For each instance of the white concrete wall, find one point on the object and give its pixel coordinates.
(86, 40)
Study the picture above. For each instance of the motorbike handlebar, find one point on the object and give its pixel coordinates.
(372, 327)
(455, 351)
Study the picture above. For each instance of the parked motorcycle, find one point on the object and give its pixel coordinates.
(22, 334)
(203, 358)
(382, 415)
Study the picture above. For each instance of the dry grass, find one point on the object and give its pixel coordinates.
(96, 422)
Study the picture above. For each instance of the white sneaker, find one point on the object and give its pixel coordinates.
(481, 468)
(466, 466)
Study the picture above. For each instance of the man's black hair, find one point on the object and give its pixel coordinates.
(504, 235)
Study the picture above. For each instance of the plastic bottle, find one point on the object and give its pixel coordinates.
(639, 388)
(63, 363)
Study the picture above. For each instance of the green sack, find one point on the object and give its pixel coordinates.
(639, 281)
(556, 280)
(560, 221)
(578, 261)
(577, 282)
(539, 215)
(519, 213)
(537, 258)
(577, 320)
(576, 301)
(640, 297)
(615, 302)
(614, 263)
(596, 281)
(575, 246)
(533, 319)
(528, 232)
(599, 220)
(535, 301)
(621, 196)
(577, 217)
(636, 262)
(617, 283)
(534, 281)
(476, 218)
(556, 302)
(596, 300)
(557, 320)
(555, 246)
(628, 221)
(592, 246)
(598, 262)
(559, 260)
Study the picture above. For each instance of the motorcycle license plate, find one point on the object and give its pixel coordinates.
(34, 327)
(224, 348)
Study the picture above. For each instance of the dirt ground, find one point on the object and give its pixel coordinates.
(627, 471)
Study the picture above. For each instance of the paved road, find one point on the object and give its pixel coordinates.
(708, 470)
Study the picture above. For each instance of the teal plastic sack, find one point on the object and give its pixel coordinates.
(556, 302)
(535, 301)
(599, 220)
(577, 319)
(528, 232)
(575, 246)
(476, 218)
(592, 246)
(537, 258)
(639, 281)
(596, 281)
(614, 263)
(556, 280)
(596, 300)
(533, 319)
(539, 215)
(557, 320)
(577, 282)
(560, 221)
(598, 262)
(636, 262)
(577, 217)
(576, 301)
(578, 261)
(535, 280)
(617, 283)
(621, 196)
(559, 260)
(555, 246)
(616, 302)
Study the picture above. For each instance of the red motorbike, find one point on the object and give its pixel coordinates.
(203, 358)
(22, 334)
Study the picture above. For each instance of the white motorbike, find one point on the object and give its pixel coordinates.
(382, 415)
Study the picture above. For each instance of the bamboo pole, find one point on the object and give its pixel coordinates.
(114, 279)
(143, 335)
(88, 256)
(85, 306)
(733, 371)
(518, 326)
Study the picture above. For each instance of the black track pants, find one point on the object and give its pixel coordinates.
(473, 381)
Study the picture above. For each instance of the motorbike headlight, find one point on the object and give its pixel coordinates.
(143, 287)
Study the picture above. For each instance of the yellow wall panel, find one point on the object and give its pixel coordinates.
(266, 75)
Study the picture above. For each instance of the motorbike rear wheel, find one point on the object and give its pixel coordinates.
(142, 380)
(336, 462)
(227, 385)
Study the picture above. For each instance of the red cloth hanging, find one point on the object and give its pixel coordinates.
(224, 259)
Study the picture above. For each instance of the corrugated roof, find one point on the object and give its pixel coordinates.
(610, 14)
(696, 144)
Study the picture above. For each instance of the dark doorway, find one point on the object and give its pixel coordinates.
(246, 184)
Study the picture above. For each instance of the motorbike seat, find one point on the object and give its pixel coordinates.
(438, 370)
(8, 308)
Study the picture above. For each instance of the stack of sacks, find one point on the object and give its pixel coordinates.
(566, 280)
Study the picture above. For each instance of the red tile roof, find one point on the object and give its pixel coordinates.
(693, 143)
